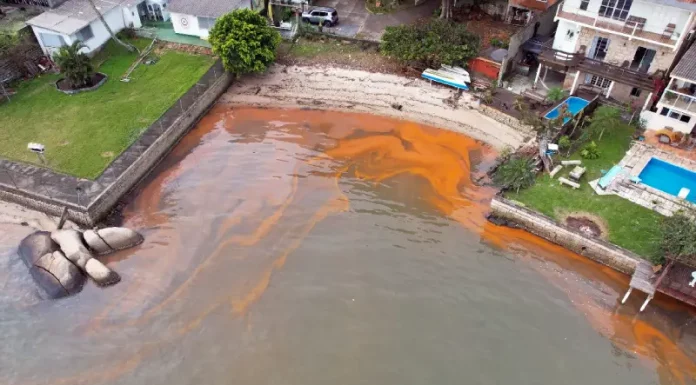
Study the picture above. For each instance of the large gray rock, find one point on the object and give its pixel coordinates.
(71, 244)
(110, 239)
(49, 268)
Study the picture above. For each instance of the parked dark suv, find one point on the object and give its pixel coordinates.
(327, 15)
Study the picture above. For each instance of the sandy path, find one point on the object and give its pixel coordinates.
(360, 91)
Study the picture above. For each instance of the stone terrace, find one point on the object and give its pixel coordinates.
(633, 163)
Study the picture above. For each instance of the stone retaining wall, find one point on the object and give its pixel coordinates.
(504, 118)
(142, 166)
(545, 227)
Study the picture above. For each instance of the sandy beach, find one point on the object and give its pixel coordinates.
(341, 89)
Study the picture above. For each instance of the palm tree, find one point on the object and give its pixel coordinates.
(517, 173)
(555, 94)
(603, 117)
(129, 47)
(76, 66)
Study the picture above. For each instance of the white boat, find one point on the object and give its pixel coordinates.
(452, 76)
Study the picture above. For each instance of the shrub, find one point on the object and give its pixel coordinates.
(495, 42)
(76, 66)
(127, 33)
(590, 151)
(244, 41)
(564, 142)
(431, 43)
(516, 173)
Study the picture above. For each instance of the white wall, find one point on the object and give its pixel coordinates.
(186, 25)
(657, 16)
(130, 16)
(655, 121)
(566, 36)
(115, 18)
(48, 50)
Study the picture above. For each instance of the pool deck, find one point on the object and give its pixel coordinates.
(633, 164)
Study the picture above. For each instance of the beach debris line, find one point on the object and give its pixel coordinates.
(60, 261)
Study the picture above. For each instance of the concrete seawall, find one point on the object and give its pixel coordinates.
(545, 227)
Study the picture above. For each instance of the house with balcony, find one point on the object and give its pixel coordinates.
(619, 49)
(676, 109)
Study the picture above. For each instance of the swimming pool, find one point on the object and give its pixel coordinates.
(575, 105)
(669, 178)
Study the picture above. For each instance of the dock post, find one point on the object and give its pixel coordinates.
(623, 301)
(647, 300)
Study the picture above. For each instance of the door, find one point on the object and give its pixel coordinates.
(600, 45)
(642, 59)
(317, 16)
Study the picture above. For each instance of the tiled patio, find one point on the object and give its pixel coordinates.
(633, 163)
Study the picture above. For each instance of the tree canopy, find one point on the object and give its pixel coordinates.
(678, 241)
(244, 41)
(431, 43)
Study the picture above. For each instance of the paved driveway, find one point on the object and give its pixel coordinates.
(351, 14)
(356, 20)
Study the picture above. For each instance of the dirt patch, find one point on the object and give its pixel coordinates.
(586, 223)
(336, 53)
(107, 154)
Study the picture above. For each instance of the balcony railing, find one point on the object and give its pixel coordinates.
(633, 27)
(564, 61)
(678, 100)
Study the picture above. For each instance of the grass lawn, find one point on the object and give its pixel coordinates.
(629, 225)
(83, 133)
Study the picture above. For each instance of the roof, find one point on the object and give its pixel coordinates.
(686, 68)
(73, 15)
(689, 5)
(206, 8)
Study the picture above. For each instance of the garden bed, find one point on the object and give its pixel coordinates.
(96, 81)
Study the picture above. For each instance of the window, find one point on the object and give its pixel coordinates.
(599, 81)
(635, 92)
(675, 115)
(52, 40)
(206, 22)
(84, 34)
(584, 4)
(615, 9)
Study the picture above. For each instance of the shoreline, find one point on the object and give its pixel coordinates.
(349, 90)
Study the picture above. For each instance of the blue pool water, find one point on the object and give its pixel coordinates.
(574, 104)
(669, 178)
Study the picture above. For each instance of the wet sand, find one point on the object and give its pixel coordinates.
(294, 246)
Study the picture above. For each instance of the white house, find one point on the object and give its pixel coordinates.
(154, 10)
(676, 108)
(197, 17)
(618, 47)
(76, 20)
